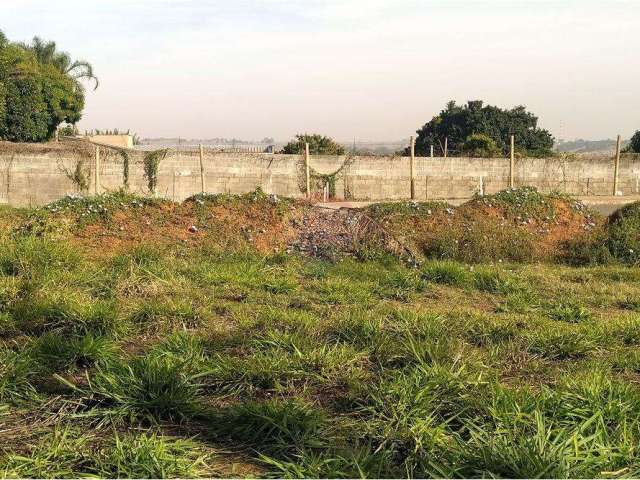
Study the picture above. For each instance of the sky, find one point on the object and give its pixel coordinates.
(370, 70)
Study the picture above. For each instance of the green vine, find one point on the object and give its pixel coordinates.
(151, 163)
(125, 167)
(320, 180)
(79, 176)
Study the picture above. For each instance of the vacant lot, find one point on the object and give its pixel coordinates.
(141, 338)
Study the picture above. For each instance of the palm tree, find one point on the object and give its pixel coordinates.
(46, 53)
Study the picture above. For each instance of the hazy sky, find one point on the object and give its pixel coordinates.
(365, 69)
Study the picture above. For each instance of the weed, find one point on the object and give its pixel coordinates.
(153, 387)
(569, 312)
(446, 273)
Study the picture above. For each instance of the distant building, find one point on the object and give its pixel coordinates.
(122, 141)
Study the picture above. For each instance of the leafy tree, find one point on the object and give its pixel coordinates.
(35, 97)
(480, 145)
(318, 145)
(459, 122)
(634, 143)
(47, 54)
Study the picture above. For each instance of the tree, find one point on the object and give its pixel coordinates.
(480, 145)
(634, 143)
(35, 97)
(318, 145)
(457, 123)
(47, 54)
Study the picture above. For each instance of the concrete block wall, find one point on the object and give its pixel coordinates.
(37, 177)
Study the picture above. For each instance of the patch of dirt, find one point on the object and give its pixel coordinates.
(328, 233)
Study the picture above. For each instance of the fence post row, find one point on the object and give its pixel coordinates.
(306, 166)
(616, 167)
(512, 161)
(412, 168)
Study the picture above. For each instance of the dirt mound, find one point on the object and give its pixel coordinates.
(516, 225)
(117, 221)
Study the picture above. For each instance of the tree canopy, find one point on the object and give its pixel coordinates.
(38, 90)
(318, 145)
(634, 143)
(460, 122)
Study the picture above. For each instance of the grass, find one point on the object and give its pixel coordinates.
(169, 361)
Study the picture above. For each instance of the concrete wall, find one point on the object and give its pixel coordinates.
(36, 177)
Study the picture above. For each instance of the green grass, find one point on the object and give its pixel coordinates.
(186, 362)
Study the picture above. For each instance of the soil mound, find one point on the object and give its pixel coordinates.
(118, 221)
(512, 225)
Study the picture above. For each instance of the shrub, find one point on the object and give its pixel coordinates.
(480, 145)
(623, 234)
(318, 145)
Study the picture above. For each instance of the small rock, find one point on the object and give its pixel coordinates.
(193, 229)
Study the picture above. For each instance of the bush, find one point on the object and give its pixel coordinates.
(623, 234)
(479, 145)
(318, 145)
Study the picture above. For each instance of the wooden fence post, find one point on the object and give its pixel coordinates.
(616, 167)
(202, 169)
(431, 151)
(512, 161)
(96, 173)
(306, 166)
(412, 167)
(446, 146)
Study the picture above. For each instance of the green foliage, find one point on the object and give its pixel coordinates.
(623, 234)
(569, 312)
(318, 145)
(446, 273)
(35, 95)
(286, 366)
(151, 164)
(522, 202)
(153, 387)
(458, 123)
(480, 145)
(634, 143)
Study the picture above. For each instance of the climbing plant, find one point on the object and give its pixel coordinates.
(320, 180)
(151, 163)
(80, 174)
(125, 167)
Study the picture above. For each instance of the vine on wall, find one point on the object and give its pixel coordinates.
(151, 163)
(321, 180)
(80, 175)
